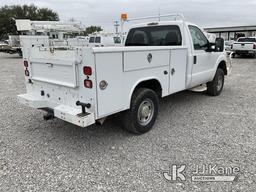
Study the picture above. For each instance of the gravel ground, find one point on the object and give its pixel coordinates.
(192, 129)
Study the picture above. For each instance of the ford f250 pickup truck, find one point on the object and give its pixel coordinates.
(85, 85)
(244, 46)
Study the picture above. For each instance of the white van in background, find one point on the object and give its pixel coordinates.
(104, 40)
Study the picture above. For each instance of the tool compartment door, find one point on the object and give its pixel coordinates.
(178, 70)
(139, 60)
(54, 68)
(109, 69)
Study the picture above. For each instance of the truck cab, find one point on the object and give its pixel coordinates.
(201, 56)
(85, 85)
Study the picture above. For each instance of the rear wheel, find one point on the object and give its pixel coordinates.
(214, 88)
(143, 111)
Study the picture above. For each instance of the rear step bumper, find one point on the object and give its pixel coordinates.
(64, 112)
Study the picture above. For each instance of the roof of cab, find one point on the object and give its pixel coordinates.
(159, 23)
(162, 23)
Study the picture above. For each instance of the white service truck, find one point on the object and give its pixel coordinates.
(244, 46)
(85, 85)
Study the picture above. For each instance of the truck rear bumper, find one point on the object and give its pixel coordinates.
(61, 111)
(244, 52)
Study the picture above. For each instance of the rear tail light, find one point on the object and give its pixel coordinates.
(254, 46)
(26, 72)
(88, 83)
(87, 70)
(231, 47)
(25, 63)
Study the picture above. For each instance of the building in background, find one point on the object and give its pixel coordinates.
(232, 33)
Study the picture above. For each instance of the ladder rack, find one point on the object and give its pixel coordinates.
(181, 16)
(174, 15)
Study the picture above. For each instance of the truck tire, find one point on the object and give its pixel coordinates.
(143, 111)
(214, 88)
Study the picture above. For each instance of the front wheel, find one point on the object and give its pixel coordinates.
(143, 111)
(215, 87)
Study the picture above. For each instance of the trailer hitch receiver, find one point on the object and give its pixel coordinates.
(48, 116)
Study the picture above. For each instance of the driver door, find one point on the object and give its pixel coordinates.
(202, 60)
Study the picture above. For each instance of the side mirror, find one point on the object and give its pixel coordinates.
(219, 45)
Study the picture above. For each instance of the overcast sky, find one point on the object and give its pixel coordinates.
(206, 13)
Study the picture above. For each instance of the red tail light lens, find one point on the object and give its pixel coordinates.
(254, 46)
(25, 63)
(87, 70)
(88, 83)
(26, 72)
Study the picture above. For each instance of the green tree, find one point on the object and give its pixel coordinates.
(9, 13)
(92, 29)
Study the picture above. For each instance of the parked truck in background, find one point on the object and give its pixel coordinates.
(244, 46)
(85, 85)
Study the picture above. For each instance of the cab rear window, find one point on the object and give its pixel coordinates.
(154, 36)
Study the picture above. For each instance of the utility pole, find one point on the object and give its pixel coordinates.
(116, 26)
(159, 14)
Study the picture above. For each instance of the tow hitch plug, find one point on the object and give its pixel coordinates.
(83, 105)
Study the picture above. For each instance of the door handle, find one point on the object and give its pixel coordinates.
(172, 71)
(149, 57)
(49, 64)
(195, 59)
